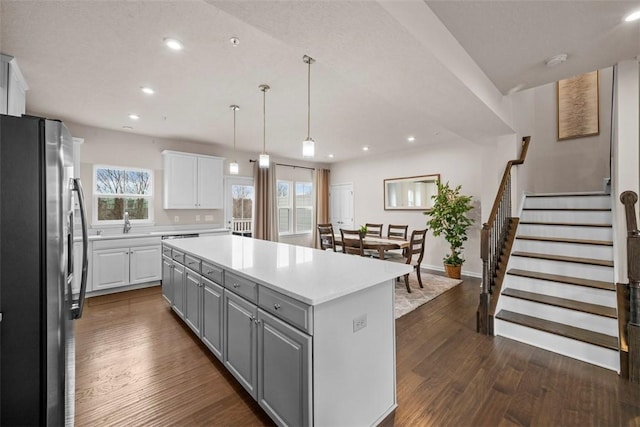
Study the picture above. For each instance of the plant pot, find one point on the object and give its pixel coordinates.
(453, 271)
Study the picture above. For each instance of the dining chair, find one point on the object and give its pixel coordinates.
(374, 229)
(397, 231)
(325, 235)
(416, 247)
(352, 242)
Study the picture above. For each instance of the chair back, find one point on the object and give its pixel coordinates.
(397, 231)
(352, 242)
(416, 246)
(374, 229)
(325, 235)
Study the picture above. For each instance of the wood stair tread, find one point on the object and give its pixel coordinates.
(597, 284)
(591, 261)
(567, 240)
(598, 310)
(590, 337)
(569, 209)
(568, 194)
(568, 224)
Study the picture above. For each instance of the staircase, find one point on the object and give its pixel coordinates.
(558, 293)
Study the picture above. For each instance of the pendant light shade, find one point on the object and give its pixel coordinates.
(308, 145)
(263, 160)
(233, 166)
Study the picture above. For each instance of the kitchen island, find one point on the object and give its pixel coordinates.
(309, 334)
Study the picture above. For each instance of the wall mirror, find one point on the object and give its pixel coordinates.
(410, 193)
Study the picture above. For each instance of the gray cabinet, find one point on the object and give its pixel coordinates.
(240, 342)
(212, 316)
(167, 279)
(192, 291)
(178, 289)
(284, 371)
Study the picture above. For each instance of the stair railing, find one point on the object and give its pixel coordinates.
(629, 199)
(492, 238)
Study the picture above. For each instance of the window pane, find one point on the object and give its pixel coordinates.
(113, 208)
(110, 181)
(284, 191)
(304, 196)
(137, 182)
(303, 219)
(242, 201)
(284, 224)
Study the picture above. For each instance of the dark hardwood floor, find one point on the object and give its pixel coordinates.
(138, 364)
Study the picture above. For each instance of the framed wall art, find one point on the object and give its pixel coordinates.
(578, 106)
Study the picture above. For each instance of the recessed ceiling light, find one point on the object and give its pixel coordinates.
(134, 116)
(556, 60)
(234, 41)
(331, 156)
(173, 43)
(365, 148)
(633, 16)
(147, 90)
(411, 139)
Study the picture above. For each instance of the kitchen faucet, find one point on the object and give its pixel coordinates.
(127, 224)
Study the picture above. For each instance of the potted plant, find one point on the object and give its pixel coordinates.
(363, 230)
(449, 218)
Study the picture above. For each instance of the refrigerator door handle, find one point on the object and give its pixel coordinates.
(77, 306)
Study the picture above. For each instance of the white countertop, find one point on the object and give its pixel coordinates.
(135, 235)
(305, 274)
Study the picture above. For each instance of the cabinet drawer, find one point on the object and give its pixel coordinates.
(178, 256)
(241, 286)
(294, 312)
(192, 263)
(166, 251)
(212, 272)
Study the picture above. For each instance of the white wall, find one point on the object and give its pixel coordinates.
(460, 164)
(553, 166)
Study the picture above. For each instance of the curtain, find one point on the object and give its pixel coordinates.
(266, 215)
(321, 185)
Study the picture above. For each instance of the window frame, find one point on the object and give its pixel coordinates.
(150, 197)
(293, 215)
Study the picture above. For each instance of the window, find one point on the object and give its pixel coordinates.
(118, 190)
(295, 207)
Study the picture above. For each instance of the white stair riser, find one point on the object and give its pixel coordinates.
(562, 290)
(569, 202)
(578, 319)
(567, 249)
(572, 217)
(569, 232)
(570, 269)
(589, 353)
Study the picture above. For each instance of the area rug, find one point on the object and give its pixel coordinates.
(433, 286)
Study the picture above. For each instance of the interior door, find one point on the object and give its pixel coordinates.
(341, 206)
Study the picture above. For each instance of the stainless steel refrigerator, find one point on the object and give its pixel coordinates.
(37, 304)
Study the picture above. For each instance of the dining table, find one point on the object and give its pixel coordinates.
(379, 243)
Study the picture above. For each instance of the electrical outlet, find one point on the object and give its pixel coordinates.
(208, 217)
(176, 218)
(359, 322)
(197, 218)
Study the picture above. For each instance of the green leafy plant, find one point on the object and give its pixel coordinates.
(449, 218)
(363, 230)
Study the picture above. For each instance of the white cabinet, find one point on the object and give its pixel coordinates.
(13, 87)
(192, 181)
(122, 266)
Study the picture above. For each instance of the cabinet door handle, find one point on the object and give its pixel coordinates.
(210, 272)
(276, 306)
(190, 263)
(235, 285)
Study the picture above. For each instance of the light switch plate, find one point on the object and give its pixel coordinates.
(359, 322)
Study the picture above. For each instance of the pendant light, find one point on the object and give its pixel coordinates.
(233, 166)
(263, 161)
(308, 145)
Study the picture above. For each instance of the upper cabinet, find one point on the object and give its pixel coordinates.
(13, 87)
(192, 181)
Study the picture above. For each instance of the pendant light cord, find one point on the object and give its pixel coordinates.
(309, 100)
(264, 121)
(234, 130)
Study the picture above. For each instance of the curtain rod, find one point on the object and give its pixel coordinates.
(291, 166)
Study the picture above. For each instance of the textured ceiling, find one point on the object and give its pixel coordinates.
(383, 71)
